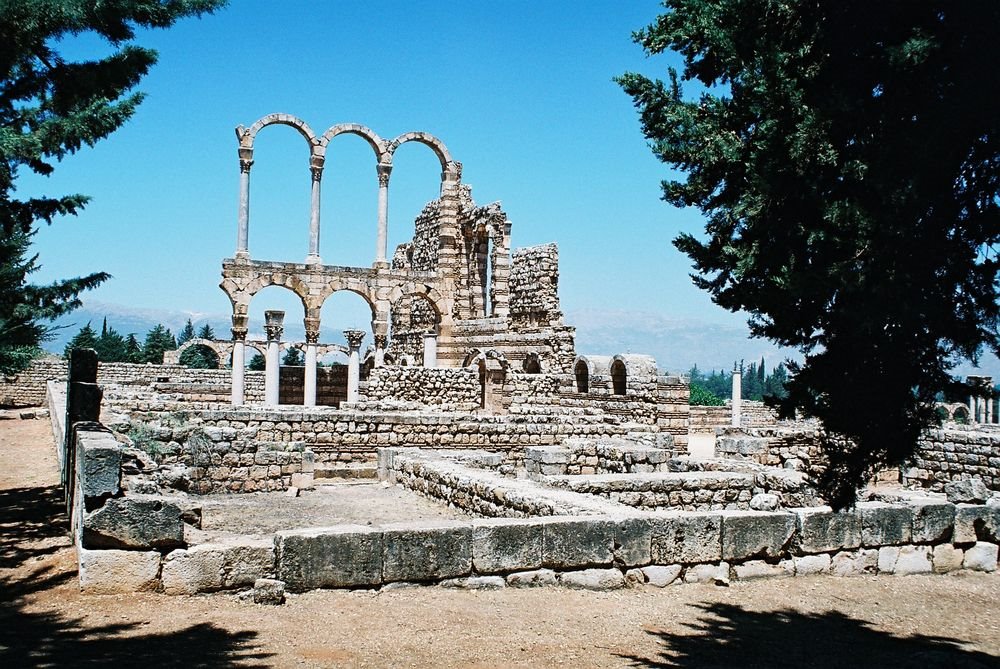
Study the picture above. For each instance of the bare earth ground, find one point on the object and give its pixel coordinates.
(926, 621)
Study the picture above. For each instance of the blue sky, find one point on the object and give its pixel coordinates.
(520, 92)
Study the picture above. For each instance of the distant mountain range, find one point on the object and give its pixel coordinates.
(676, 343)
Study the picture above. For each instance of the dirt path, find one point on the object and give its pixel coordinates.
(932, 621)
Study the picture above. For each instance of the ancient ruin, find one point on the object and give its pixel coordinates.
(486, 451)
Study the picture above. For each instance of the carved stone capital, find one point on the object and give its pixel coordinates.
(384, 171)
(317, 173)
(239, 334)
(354, 338)
(312, 336)
(245, 165)
(273, 332)
(273, 324)
(381, 341)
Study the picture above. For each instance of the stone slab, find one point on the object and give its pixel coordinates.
(823, 531)
(933, 521)
(577, 542)
(885, 524)
(686, 538)
(426, 551)
(748, 534)
(128, 523)
(106, 572)
(334, 557)
(506, 545)
(593, 579)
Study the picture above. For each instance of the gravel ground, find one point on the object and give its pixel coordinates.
(822, 622)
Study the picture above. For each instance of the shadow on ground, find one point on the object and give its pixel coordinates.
(33, 525)
(730, 636)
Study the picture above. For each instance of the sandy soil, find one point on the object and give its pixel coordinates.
(927, 621)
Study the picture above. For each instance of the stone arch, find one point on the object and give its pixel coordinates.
(282, 280)
(351, 285)
(960, 414)
(377, 144)
(220, 351)
(474, 355)
(247, 135)
(427, 139)
(581, 372)
(619, 376)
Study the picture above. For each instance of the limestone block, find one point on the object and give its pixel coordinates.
(475, 583)
(913, 560)
(933, 521)
(981, 556)
(752, 534)
(764, 502)
(134, 524)
(946, 558)
(505, 545)
(634, 578)
(968, 491)
(186, 572)
(333, 557)
(302, 481)
(593, 579)
(661, 576)
(708, 573)
(686, 538)
(100, 460)
(810, 565)
(426, 551)
(633, 540)
(577, 542)
(854, 563)
(532, 579)
(760, 569)
(885, 524)
(268, 591)
(976, 523)
(822, 531)
(105, 572)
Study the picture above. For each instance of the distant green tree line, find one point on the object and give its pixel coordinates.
(112, 346)
(756, 384)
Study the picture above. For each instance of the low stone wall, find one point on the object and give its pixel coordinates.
(955, 454)
(705, 419)
(792, 447)
(27, 389)
(589, 456)
(458, 389)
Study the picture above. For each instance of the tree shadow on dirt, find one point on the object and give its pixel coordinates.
(730, 636)
(31, 522)
(53, 639)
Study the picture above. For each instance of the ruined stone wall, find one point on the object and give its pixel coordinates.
(704, 419)
(458, 389)
(955, 454)
(534, 287)
(588, 456)
(27, 389)
(797, 448)
(331, 385)
(554, 346)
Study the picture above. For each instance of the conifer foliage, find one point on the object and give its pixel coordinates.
(50, 108)
(846, 156)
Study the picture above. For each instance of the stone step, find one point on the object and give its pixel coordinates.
(346, 471)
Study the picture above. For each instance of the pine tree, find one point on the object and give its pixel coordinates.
(186, 334)
(110, 346)
(85, 338)
(50, 108)
(293, 358)
(206, 332)
(158, 340)
(257, 363)
(133, 350)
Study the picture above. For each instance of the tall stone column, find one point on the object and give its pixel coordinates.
(382, 241)
(381, 343)
(430, 349)
(312, 339)
(273, 326)
(317, 176)
(239, 331)
(243, 227)
(354, 338)
(737, 398)
(989, 409)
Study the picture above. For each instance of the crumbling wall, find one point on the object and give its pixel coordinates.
(534, 287)
(954, 454)
(458, 389)
(798, 448)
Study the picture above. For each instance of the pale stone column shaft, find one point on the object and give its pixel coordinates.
(313, 257)
(309, 398)
(243, 227)
(354, 338)
(382, 240)
(273, 321)
(381, 342)
(430, 350)
(737, 398)
(239, 369)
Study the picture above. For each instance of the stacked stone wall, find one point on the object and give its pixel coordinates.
(798, 448)
(458, 389)
(955, 454)
(534, 286)
(27, 388)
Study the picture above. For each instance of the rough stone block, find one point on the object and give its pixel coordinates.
(633, 540)
(810, 565)
(760, 569)
(686, 538)
(933, 521)
(303, 481)
(593, 579)
(577, 542)
(104, 572)
(708, 573)
(426, 551)
(661, 576)
(885, 524)
(981, 556)
(186, 572)
(976, 523)
(854, 563)
(887, 557)
(946, 558)
(823, 531)
(475, 583)
(634, 578)
(969, 491)
(268, 591)
(532, 579)
(502, 545)
(750, 534)
(332, 557)
(134, 524)
(913, 560)
(100, 461)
